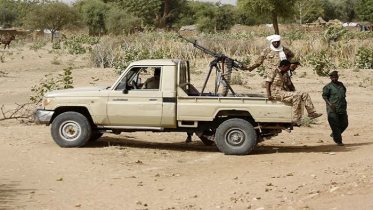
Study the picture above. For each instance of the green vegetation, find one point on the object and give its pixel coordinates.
(37, 45)
(128, 16)
(48, 83)
(53, 16)
(321, 63)
(364, 58)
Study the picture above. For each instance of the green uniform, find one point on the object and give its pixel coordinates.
(338, 120)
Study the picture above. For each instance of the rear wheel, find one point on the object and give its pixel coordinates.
(207, 137)
(235, 137)
(71, 129)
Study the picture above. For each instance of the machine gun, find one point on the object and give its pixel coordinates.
(219, 63)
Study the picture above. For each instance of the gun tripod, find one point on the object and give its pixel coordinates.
(220, 76)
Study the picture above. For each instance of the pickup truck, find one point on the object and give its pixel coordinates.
(235, 124)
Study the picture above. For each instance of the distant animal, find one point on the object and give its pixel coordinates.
(6, 41)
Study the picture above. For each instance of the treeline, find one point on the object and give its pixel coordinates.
(126, 16)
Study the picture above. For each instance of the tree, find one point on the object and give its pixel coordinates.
(349, 9)
(272, 8)
(8, 13)
(119, 21)
(307, 10)
(54, 16)
(364, 10)
(154, 12)
(210, 17)
(245, 17)
(94, 16)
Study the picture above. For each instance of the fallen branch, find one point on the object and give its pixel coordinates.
(22, 111)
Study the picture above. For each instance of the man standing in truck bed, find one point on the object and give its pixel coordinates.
(275, 85)
(271, 56)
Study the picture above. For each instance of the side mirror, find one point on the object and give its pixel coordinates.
(125, 91)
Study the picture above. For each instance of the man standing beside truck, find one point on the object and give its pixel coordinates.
(334, 95)
(275, 84)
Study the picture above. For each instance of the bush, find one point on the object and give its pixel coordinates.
(120, 22)
(307, 121)
(56, 45)
(63, 81)
(38, 45)
(321, 63)
(74, 45)
(364, 58)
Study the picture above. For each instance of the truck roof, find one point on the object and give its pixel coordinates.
(161, 62)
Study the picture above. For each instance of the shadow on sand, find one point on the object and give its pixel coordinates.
(198, 146)
(9, 194)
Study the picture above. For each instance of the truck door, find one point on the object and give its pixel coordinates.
(142, 104)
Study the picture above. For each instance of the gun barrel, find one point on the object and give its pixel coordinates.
(236, 64)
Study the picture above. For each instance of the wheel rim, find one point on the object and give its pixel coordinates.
(70, 130)
(235, 137)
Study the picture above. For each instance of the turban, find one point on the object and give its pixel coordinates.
(274, 38)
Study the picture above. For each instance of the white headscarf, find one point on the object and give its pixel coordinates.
(280, 49)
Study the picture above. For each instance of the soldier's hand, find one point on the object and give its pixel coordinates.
(271, 98)
(333, 108)
(246, 68)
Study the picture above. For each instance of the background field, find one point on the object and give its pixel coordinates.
(303, 169)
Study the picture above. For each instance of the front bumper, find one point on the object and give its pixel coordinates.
(42, 116)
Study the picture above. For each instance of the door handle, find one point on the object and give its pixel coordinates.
(153, 99)
(120, 99)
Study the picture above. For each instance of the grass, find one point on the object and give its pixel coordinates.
(56, 61)
(307, 122)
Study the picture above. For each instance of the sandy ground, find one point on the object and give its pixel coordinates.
(303, 169)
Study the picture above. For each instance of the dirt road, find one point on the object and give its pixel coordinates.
(303, 169)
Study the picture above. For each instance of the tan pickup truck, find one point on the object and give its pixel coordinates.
(158, 96)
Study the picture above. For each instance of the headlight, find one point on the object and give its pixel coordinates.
(47, 101)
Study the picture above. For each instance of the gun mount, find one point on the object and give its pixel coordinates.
(219, 63)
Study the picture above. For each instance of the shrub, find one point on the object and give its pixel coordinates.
(321, 63)
(56, 45)
(261, 71)
(62, 81)
(364, 58)
(236, 79)
(38, 45)
(74, 45)
(307, 121)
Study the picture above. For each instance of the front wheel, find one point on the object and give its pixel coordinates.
(71, 129)
(235, 137)
(95, 135)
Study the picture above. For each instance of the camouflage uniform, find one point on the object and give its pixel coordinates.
(270, 59)
(279, 82)
(287, 80)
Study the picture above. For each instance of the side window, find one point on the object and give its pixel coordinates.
(141, 78)
(151, 77)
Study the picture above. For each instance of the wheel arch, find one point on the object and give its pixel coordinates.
(233, 113)
(80, 109)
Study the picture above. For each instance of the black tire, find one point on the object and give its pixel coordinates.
(207, 137)
(71, 129)
(235, 137)
(95, 135)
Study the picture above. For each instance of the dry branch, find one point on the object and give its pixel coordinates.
(22, 111)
